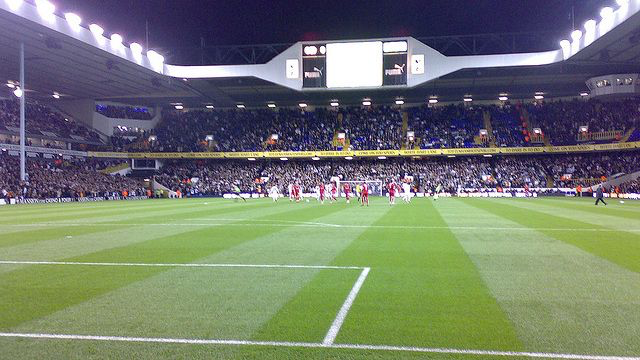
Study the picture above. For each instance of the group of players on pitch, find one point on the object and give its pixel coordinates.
(332, 192)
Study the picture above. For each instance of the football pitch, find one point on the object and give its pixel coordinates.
(212, 278)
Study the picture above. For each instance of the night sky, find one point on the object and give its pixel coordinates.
(182, 23)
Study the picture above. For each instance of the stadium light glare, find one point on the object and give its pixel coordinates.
(302, 105)
(315, 158)
(116, 40)
(155, 59)
(209, 106)
(433, 101)
(179, 107)
(284, 159)
(18, 92)
(251, 159)
(622, 3)
(271, 105)
(240, 106)
(334, 104)
(576, 35)
(451, 156)
(366, 103)
(399, 102)
(487, 155)
(56, 95)
(348, 157)
(538, 97)
(14, 4)
(503, 98)
(96, 30)
(606, 12)
(382, 158)
(11, 85)
(590, 25)
(467, 99)
(74, 20)
(46, 9)
(583, 94)
(136, 48)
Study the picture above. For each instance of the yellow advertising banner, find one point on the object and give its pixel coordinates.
(470, 151)
(425, 152)
(523, 150)
(367, 153)
(289, 154)
(334, 153)
(243, 155)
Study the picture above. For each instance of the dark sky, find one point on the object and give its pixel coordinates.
(231, 22)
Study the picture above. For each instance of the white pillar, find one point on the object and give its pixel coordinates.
(23, 140)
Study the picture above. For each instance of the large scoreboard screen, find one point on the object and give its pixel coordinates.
(354, 64)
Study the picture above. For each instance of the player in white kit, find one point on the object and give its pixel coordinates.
(406, 192)
(274, 193)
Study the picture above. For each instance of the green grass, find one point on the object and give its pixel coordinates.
(524, 275)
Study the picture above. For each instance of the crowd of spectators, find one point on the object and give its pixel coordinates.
(124, 112)
(41, 120)
(63, 178)
(561, 120)
(373, 128)
(452, 126)
(456, 174)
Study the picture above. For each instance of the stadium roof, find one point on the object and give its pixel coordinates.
(58, 61)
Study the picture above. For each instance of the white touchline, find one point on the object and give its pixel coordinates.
(327, 225)
(344, 310)
(316, 345)
(191, 265)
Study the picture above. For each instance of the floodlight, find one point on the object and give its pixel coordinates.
(179, 107)
(334, 104)
(116, 40)
(315, 158)
(14, 4)
(399, 102)
(348, 157)
(136, 48)
(154, 57)
(583, 94)
(366, 103)
(433, 101)
(576, 35)
(73, 20)
(45, 9)
(467, 99)
(590, 25)
(251, 159)
(18, 92)
(487, 155)
(209, 106)
(382, 157)
(284, 159)
(96, 29)
(302, 105)
(606, 12)
(56, 95)
(622, 3)
(503, 98)
(538, 97)
(271, 105)
(240, 106)
(10, 85)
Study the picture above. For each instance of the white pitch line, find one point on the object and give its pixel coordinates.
(344, 310)
(190, 265)
(325, 225)
(316, 345)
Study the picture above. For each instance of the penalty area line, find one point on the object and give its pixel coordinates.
(314, 345)
(344, 310)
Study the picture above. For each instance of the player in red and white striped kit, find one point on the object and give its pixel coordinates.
(364, 194)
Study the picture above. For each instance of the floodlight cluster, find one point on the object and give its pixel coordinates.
(607, 15)
(47, 11)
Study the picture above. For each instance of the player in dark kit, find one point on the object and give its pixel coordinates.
(600, 196)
